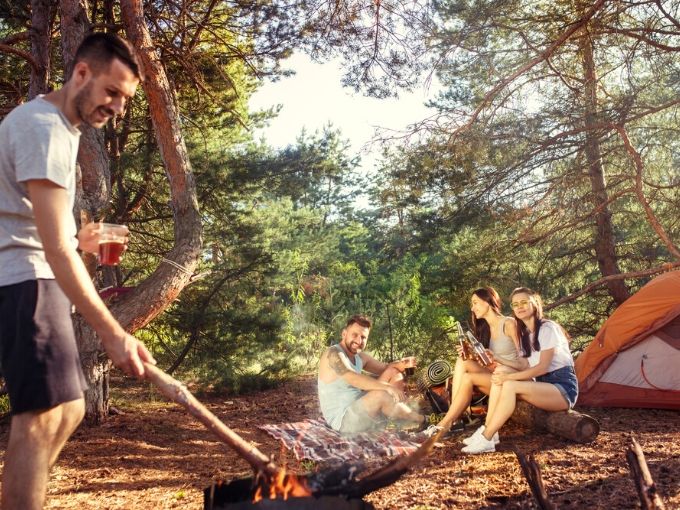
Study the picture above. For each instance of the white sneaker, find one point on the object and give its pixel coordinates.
(480, 444)
(496, 438)
(469, 440)
(431, 430)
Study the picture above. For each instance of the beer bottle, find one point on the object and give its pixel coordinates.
(479, 350)
(463, 341)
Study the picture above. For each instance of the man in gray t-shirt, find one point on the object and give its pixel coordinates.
(51, 156)
(41, 273)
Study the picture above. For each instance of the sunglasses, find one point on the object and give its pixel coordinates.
(517, 304)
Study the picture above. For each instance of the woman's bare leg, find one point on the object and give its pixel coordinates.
(490, 408)
(542, 395)
(464, 395)
(462, 367)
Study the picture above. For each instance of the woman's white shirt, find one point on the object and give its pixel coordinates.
(551, 336)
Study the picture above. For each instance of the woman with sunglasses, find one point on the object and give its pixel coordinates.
(544, 343)
(498, 334)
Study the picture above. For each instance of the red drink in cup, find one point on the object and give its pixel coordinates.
(109, 252)
(410, 368)
(111, 243)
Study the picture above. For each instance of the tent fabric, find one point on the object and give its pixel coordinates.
(634, 358)
(650, 357)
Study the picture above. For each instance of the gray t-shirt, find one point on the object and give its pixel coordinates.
(36, 142)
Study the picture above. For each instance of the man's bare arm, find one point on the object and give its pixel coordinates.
(342, 368)
(51, 209)
(372, 365)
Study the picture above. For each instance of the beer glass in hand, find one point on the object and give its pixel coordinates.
(112, 239)
(409, 365)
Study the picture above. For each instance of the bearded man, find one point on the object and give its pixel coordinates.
(41, 272)
(353, 402)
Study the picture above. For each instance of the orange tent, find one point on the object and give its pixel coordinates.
(634, 360)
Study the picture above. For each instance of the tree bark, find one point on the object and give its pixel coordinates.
(41, 19)
(92, 194)
(567, 424)
(137, 308)
(153, 295)
(605, 243)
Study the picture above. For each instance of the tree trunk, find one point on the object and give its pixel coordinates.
(137, 308)
(567, 424)
(92, 194)
(153, 295)
(41, 20)
(96, 369)
(605, 244)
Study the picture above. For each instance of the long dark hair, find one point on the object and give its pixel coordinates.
(524, 333)
(480, 326)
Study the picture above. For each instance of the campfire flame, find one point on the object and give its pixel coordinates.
(282, 485)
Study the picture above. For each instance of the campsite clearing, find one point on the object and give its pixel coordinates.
(157, 456)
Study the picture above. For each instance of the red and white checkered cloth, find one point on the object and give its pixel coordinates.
(315, 440)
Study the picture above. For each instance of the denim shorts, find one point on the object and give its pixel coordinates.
(565, 380)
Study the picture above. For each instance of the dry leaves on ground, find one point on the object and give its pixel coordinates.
(155, 456)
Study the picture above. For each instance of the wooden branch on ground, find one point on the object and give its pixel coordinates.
(649, 497)
(532, 472)
(568, 424)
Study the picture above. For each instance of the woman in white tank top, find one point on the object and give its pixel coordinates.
(498, 334)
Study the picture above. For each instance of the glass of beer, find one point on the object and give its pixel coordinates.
(111, 243)
(410, 365)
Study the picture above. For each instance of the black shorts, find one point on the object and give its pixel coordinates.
(40, 359)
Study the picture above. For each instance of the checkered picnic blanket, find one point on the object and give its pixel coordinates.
(315, 440)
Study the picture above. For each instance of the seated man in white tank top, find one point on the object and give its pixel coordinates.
(353, 402)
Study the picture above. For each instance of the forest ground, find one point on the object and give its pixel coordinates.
(156, 456)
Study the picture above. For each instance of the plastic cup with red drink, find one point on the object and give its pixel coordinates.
(410, 367)
(112, 239)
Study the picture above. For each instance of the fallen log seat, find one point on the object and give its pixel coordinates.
(568, 424)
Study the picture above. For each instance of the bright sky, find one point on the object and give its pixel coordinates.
(314, 96)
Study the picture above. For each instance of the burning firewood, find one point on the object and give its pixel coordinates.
(350, 480)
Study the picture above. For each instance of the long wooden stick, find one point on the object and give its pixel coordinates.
(178, 393)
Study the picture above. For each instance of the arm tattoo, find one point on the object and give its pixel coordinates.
(337, 363)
